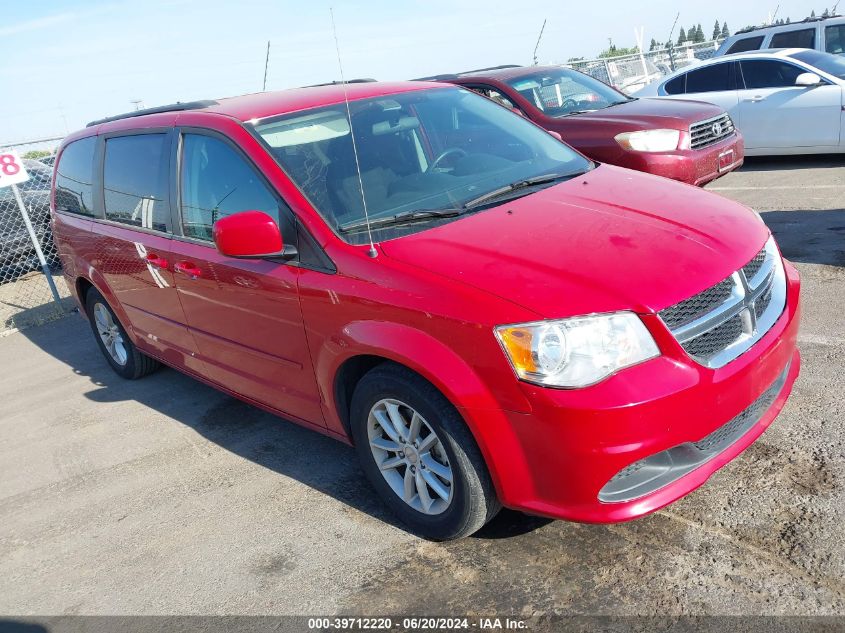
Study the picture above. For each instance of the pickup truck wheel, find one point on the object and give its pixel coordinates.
(420, 456)
(120, 352)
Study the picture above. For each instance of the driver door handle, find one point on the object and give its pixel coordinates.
(155, 260)
(187, 268)
(755, 99)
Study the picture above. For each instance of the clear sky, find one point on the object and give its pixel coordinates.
(66, 62)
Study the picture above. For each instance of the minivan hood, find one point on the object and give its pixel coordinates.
(639, 114)
(612, 239)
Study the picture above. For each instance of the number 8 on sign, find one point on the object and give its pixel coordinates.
(12, 170)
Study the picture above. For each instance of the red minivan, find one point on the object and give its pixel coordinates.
(690, 141)
(487, 315)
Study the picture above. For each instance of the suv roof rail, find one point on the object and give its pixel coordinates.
(173, 107)
(481, 70)
(818, 18)
(364, 80)
(445, 77)
(448, 76)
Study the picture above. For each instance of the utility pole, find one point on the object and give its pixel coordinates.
(537, 45)
(138, 103)
(266, 64)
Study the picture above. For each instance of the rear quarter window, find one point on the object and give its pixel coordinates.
(746, 44)
(803, 38)
(676, 86)
(75, 177)
(135, 181)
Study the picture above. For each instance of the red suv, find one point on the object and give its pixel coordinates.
(690, 141)
(488, 316)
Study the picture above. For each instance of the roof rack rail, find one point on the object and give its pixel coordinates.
(449, 76)
(365, 80)
(173, 107)
(481, 70)
(818, 18)
(445, 77)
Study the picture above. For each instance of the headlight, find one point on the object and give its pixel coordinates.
(650, 140)
(576, 352)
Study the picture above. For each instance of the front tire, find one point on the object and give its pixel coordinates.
(419, 454)
(120, 352)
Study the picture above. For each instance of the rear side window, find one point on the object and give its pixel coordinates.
(834, 39)
(216, 182)
(677, 86)
(745, 44)
(803, 38)
(764, 73)
(713, 78)
(75, 177)
(135, 181)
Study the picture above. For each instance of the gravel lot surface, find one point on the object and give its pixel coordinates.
(164, 496)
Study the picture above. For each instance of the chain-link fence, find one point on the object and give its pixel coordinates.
(32, 290)
(629, 73)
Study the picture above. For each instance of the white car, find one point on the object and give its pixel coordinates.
(786, 101)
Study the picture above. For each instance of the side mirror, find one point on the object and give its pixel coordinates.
(808, 80)
(250, 235)
(555, 134)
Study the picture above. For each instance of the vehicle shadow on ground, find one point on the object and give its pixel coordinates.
(810, 237)
(781, 163)
(320, 462)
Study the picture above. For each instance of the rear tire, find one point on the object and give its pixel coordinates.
(120, 352)
(420, 456)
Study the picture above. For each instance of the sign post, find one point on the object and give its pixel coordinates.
(13, 172)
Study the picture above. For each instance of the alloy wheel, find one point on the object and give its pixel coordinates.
(410, 456)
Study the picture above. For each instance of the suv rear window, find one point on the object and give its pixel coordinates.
(75, 177)
(745, 44)
(135, 181)
(804, 38)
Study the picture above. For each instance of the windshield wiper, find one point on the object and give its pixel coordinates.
(516, 186)
(405, 217)
(616, 103)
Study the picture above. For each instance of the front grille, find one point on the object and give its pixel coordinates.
(690, 309)
(713, 341)
(754, 266)
(718, 324)
(711, 131)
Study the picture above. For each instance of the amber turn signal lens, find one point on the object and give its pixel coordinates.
(517, 343)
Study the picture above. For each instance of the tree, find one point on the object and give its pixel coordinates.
(699, 35)
(654, 45)
(813, 13)
(615, 51)
(682, 36)
(726, 32)
(717, 30)
(826, 13)
(35, 154)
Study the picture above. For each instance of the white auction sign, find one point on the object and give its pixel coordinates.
(12, 170)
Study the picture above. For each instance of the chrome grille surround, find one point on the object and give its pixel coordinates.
(715, 333)
(711, 131)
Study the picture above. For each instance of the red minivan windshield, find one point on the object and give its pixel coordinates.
(423, 158)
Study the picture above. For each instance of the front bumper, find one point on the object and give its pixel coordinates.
(556, 460)
(694, 167)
